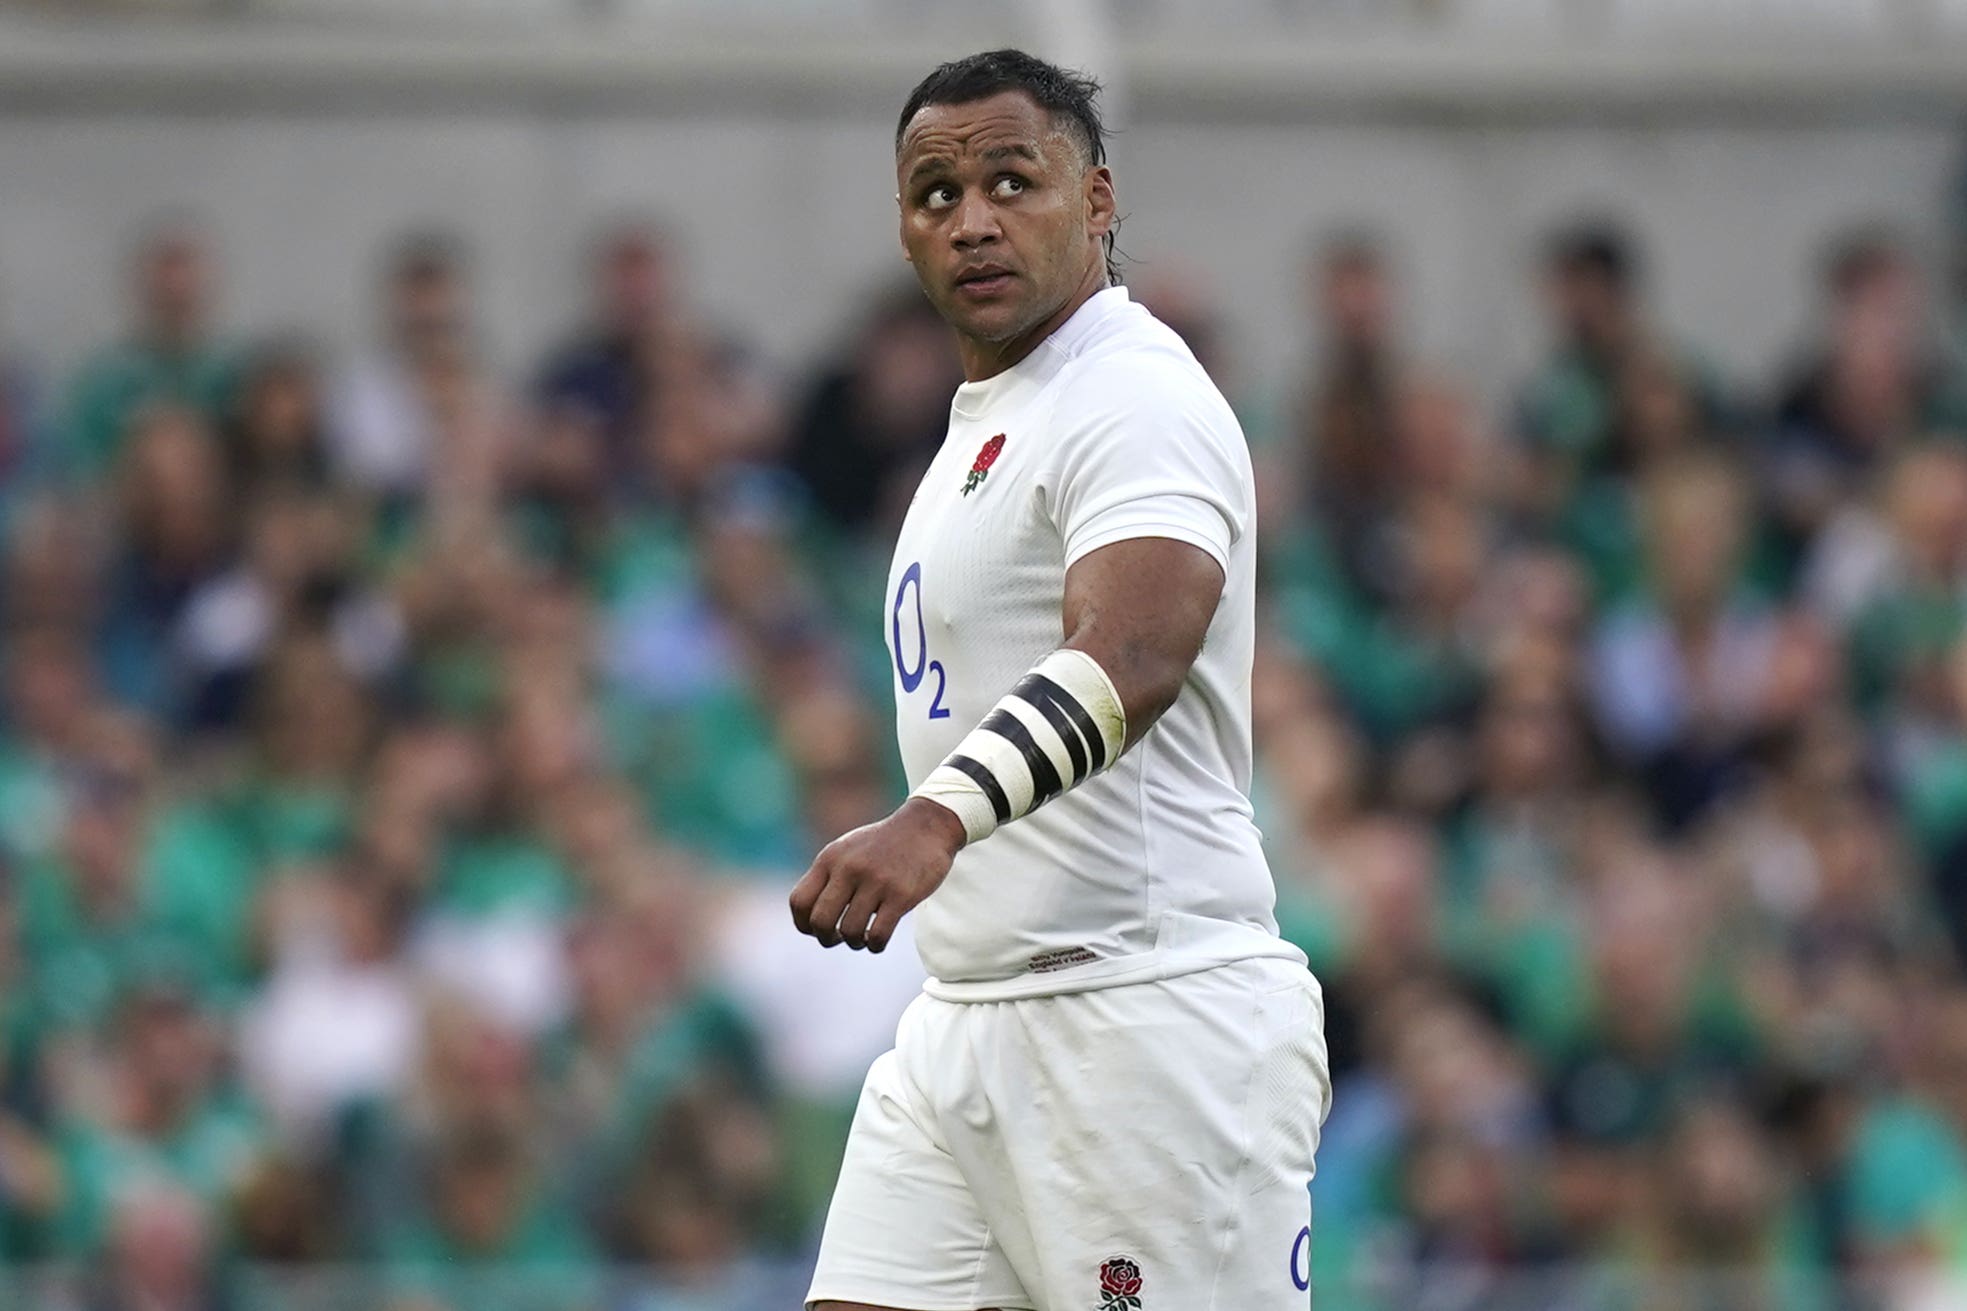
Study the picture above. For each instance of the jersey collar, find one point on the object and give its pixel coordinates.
(973, 398)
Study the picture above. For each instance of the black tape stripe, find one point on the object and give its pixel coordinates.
(1075, 747)
(1095, 744)
(1045, 782)
(987, 781)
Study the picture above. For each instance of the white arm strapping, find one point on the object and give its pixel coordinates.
(1058, 727)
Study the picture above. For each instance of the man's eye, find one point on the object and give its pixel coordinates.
(1009, 186)
(940, 197)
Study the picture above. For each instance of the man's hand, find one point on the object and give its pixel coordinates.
(863, 882)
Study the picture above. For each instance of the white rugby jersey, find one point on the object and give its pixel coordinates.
(1108, 430)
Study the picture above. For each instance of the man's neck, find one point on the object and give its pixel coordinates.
(987, 359)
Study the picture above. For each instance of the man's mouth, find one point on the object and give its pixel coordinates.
(984, 281)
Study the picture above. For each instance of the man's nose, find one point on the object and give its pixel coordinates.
(976, 221)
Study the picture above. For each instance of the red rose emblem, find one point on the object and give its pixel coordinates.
(1120, 1277)
(981, 465)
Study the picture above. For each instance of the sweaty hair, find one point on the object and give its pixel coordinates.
(1072, 99)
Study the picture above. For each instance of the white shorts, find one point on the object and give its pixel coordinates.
(1146, 1147)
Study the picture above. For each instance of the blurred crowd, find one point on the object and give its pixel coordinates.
(404, 761)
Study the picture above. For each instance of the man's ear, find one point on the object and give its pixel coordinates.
(1101, 206)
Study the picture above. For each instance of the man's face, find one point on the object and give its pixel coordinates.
(1356, 300)
(634, 281)
(1879, 318)
(1590, 306)
(427, 305)
(175, 282)
(1001, 214)
(172, 1049)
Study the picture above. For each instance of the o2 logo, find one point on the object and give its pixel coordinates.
(911, 585)
(1300, 1262)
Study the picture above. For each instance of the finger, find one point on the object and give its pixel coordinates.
(826, 911)
(854, 919)
(881, 931)
(805, 894)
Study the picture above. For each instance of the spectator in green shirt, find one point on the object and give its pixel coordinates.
(1719, 1227)
(50, 704)
(1334, 458)
(98, 914)
(1588, 412)
(171, 354)
(1907, 1170)
(165, 1117)
(490, 1236)
(275, 435)
(1655, 1019)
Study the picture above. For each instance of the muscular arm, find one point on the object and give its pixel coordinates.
(1140, 608)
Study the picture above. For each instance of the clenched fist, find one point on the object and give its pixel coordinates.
(863, 882)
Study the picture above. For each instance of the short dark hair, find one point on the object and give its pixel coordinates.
(1596, 247)
(427, 254)
(1071, 98)
(1857, 255)
(623, 233)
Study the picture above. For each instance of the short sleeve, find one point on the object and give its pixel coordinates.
(1148, 453)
